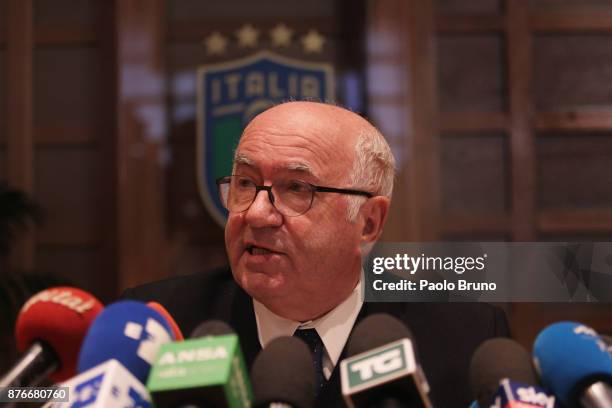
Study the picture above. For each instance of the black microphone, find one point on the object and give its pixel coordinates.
(501, 374)
(382, 369)
(283, 375)
(211, 328)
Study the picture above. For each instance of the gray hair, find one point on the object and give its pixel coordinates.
(373, 169)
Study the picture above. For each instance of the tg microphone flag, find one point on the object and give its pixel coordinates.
(391, 362)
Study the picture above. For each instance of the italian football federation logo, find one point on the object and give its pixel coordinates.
(230, 94)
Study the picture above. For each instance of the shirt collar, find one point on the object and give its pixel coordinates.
(334, 327)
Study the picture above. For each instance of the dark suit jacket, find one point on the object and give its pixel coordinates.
(446, 334)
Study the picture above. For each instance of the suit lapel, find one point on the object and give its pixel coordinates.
(242, 319)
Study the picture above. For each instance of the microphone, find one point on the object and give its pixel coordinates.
(574, 363)
(382, 368)
(501, 375)
(176, 331)
(201, 372)
(116, 357)
(50, 329)
(129, 332)
(212, 328)
(283, 375)
(109, 384)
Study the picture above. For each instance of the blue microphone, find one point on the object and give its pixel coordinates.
(129, 332)
(574, 363)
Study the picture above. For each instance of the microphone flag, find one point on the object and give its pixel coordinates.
(206, 370)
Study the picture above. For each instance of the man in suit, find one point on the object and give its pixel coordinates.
(309, 195)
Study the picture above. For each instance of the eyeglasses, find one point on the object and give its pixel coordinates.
(290, 197)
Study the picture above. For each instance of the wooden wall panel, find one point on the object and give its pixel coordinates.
(384, 77)
(66, 84)
(389, 116)
(3, 22)
(3, 169)
(576, 4)
(471, 73)
(574, 171)
(74, 266)
(186, 209)
(104, 28)
(192, 10)
(54, 107)
(468, 7)
(60, 12)
(19, 95)
(400, 40)
(140, 146)
(475, 228)
(520, 104)
(3, 111)
(474, 175)
(55, 101)
(67, 186)
(572, 71)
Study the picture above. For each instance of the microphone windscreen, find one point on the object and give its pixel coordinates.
(283, 373)
(60, 318)
(494, 360)
(377, 330)
(569, 357)
(178, 335)
(211, 328)
(128, 331)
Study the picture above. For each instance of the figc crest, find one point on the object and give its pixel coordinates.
(230, 94)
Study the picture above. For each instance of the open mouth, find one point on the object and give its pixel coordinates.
(255, 250)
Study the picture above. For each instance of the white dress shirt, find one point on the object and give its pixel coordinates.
(333, 328)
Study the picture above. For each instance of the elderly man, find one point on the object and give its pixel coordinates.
(309, 194)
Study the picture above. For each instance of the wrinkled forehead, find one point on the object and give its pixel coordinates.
(300, 143)
(302, 168)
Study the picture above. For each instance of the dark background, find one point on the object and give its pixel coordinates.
(499, 113)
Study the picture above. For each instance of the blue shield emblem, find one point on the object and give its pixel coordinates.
(230, 94)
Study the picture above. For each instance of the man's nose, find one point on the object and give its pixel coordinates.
(262, 212)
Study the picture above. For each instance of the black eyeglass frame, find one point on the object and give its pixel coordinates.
(314, 187)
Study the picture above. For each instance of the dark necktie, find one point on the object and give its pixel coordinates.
(311, 337)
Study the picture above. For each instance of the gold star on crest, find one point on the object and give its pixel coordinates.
(215, 43)
(313, 42)
(281, 35)
(247, 36)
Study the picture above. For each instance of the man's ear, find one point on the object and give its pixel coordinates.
(374, 214)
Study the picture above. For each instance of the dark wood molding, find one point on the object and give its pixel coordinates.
(19, 103)
(475, 225)
(462, 24)
(65, 133)
(584, 19)
(594, 119)
(473, 121)
(64, 34)
(522, 143)
(575, 221)
(408, 29)
(140, 141)
(76, 34)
